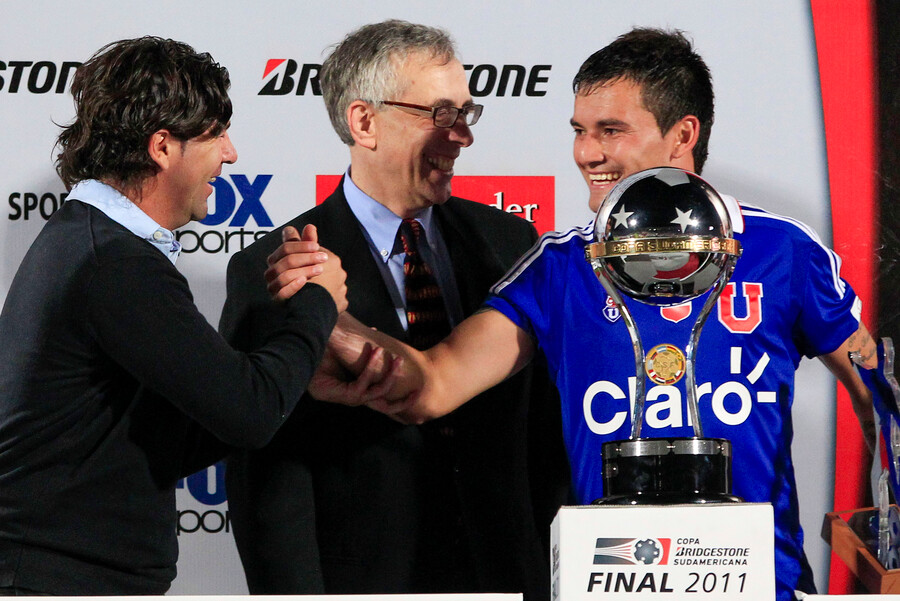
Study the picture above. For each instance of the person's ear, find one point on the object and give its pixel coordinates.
(684, 135)
(161, 147)
(363, 125)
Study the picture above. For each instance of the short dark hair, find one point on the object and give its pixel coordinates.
(127, 91)
(674, 80)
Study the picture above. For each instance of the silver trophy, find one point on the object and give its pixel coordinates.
(663, 237)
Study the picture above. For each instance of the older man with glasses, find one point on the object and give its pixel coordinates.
(346, 500)
(443, 116)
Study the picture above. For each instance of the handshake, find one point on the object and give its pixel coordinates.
(356, 369)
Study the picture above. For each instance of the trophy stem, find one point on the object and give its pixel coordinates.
(642, 252)
(691, 350)
(638, 347)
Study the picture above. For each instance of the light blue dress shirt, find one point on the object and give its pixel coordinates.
(380, 227)
(124, 212)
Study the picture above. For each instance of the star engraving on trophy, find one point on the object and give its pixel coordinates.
(622, 217)
(684, 219)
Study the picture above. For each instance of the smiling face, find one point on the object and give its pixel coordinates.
(616, 136)
(410, 164)
(195, 165)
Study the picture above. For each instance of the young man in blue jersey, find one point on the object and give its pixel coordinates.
(644, 101)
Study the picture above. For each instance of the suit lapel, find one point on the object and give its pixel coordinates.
(370, 301)
(471, 256)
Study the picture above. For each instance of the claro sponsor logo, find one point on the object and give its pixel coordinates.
(284, 76)
(207, 487)
(36, 77)
(607, 405)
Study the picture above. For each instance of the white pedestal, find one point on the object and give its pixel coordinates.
(721, 551)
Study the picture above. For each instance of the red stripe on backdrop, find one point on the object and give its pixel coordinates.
(845, 41)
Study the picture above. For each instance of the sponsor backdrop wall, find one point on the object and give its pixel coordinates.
(768, 148)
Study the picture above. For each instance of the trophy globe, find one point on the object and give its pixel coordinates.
(664, 237)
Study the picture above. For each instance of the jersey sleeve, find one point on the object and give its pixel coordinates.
(523, 293)
(830, 310)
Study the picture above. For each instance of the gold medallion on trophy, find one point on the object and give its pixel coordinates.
(665, 364)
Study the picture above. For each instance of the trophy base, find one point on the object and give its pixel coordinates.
(667, 499)
(667, 471)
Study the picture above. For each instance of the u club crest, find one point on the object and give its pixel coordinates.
(611, 311)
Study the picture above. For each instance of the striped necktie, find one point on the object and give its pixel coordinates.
(425, 310)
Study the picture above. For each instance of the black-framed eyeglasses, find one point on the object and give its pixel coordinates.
(442, 116)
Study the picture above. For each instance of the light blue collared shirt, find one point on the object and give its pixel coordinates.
(380, 227)
(124, 212)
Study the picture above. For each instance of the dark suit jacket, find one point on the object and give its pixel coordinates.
(346, 500)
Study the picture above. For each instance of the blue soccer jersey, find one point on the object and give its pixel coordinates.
(785, 300)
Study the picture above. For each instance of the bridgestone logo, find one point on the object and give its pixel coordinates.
(711, 556)
(712, 552)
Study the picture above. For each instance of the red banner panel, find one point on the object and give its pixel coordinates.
(531, 197)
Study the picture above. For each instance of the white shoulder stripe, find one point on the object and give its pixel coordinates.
(833, 257)
(734, 213)
(547, 239)
(856, 310)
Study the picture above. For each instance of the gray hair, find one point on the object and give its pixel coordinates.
(365, 66)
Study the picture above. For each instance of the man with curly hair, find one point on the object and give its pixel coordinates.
(113, 386)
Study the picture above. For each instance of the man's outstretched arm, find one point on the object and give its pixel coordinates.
(479, 353)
